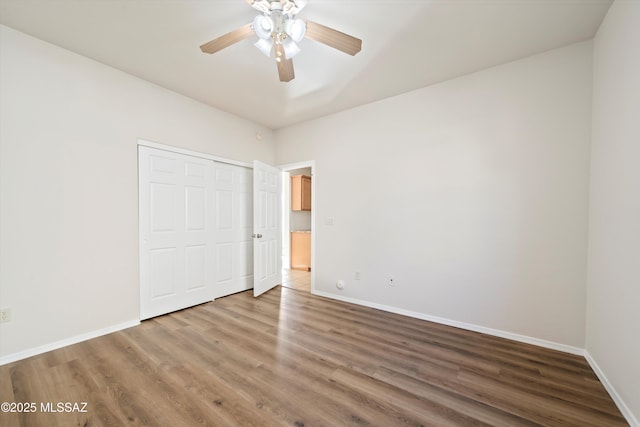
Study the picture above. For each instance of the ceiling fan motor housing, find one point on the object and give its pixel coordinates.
(279, 28)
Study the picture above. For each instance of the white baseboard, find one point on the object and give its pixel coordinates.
(626, 412)
(65, 342)
(468, 326)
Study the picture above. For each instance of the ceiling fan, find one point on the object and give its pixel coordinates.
(277, 26)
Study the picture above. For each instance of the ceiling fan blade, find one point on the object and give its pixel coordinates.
(334, 38)
(285, 66)
(228, 39)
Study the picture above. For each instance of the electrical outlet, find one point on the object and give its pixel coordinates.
(357, 275)
(391, 281)
(5, 315)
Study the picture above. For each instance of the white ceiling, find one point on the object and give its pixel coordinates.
(407, 44)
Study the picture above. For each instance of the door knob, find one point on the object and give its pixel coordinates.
(257, 236)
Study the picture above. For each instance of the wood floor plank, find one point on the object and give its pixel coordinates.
(455, 401)
(404, 401)
(218, 397)
(541, 409)
(290, 358)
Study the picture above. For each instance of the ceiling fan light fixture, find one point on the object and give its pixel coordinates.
(263, 26)
(263, 6)
(295, 28)
(265, 46)
(290, 48)
(292, 7)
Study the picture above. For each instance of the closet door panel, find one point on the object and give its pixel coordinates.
(234, 218)
(177, 234)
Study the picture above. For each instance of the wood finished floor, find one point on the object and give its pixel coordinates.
(296, 279)
(294, 359)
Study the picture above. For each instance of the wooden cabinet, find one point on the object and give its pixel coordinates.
(300, 193)
(301, 250)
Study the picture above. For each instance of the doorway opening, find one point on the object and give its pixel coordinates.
(298, 225)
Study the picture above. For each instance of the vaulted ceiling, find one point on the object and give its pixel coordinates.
(407, 44)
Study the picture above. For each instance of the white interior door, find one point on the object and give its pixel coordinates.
(267, 233)
(176, 231)
(234, 225)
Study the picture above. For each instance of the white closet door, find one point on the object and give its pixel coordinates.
(267, 227)
(176, 231)
(233, 228)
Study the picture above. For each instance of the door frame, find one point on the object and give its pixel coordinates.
(171, 148)
(286, 201)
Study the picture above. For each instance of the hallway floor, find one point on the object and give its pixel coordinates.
(296, 279)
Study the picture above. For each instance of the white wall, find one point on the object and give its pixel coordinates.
(472, 193)
(68, 185)
(613, 310)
